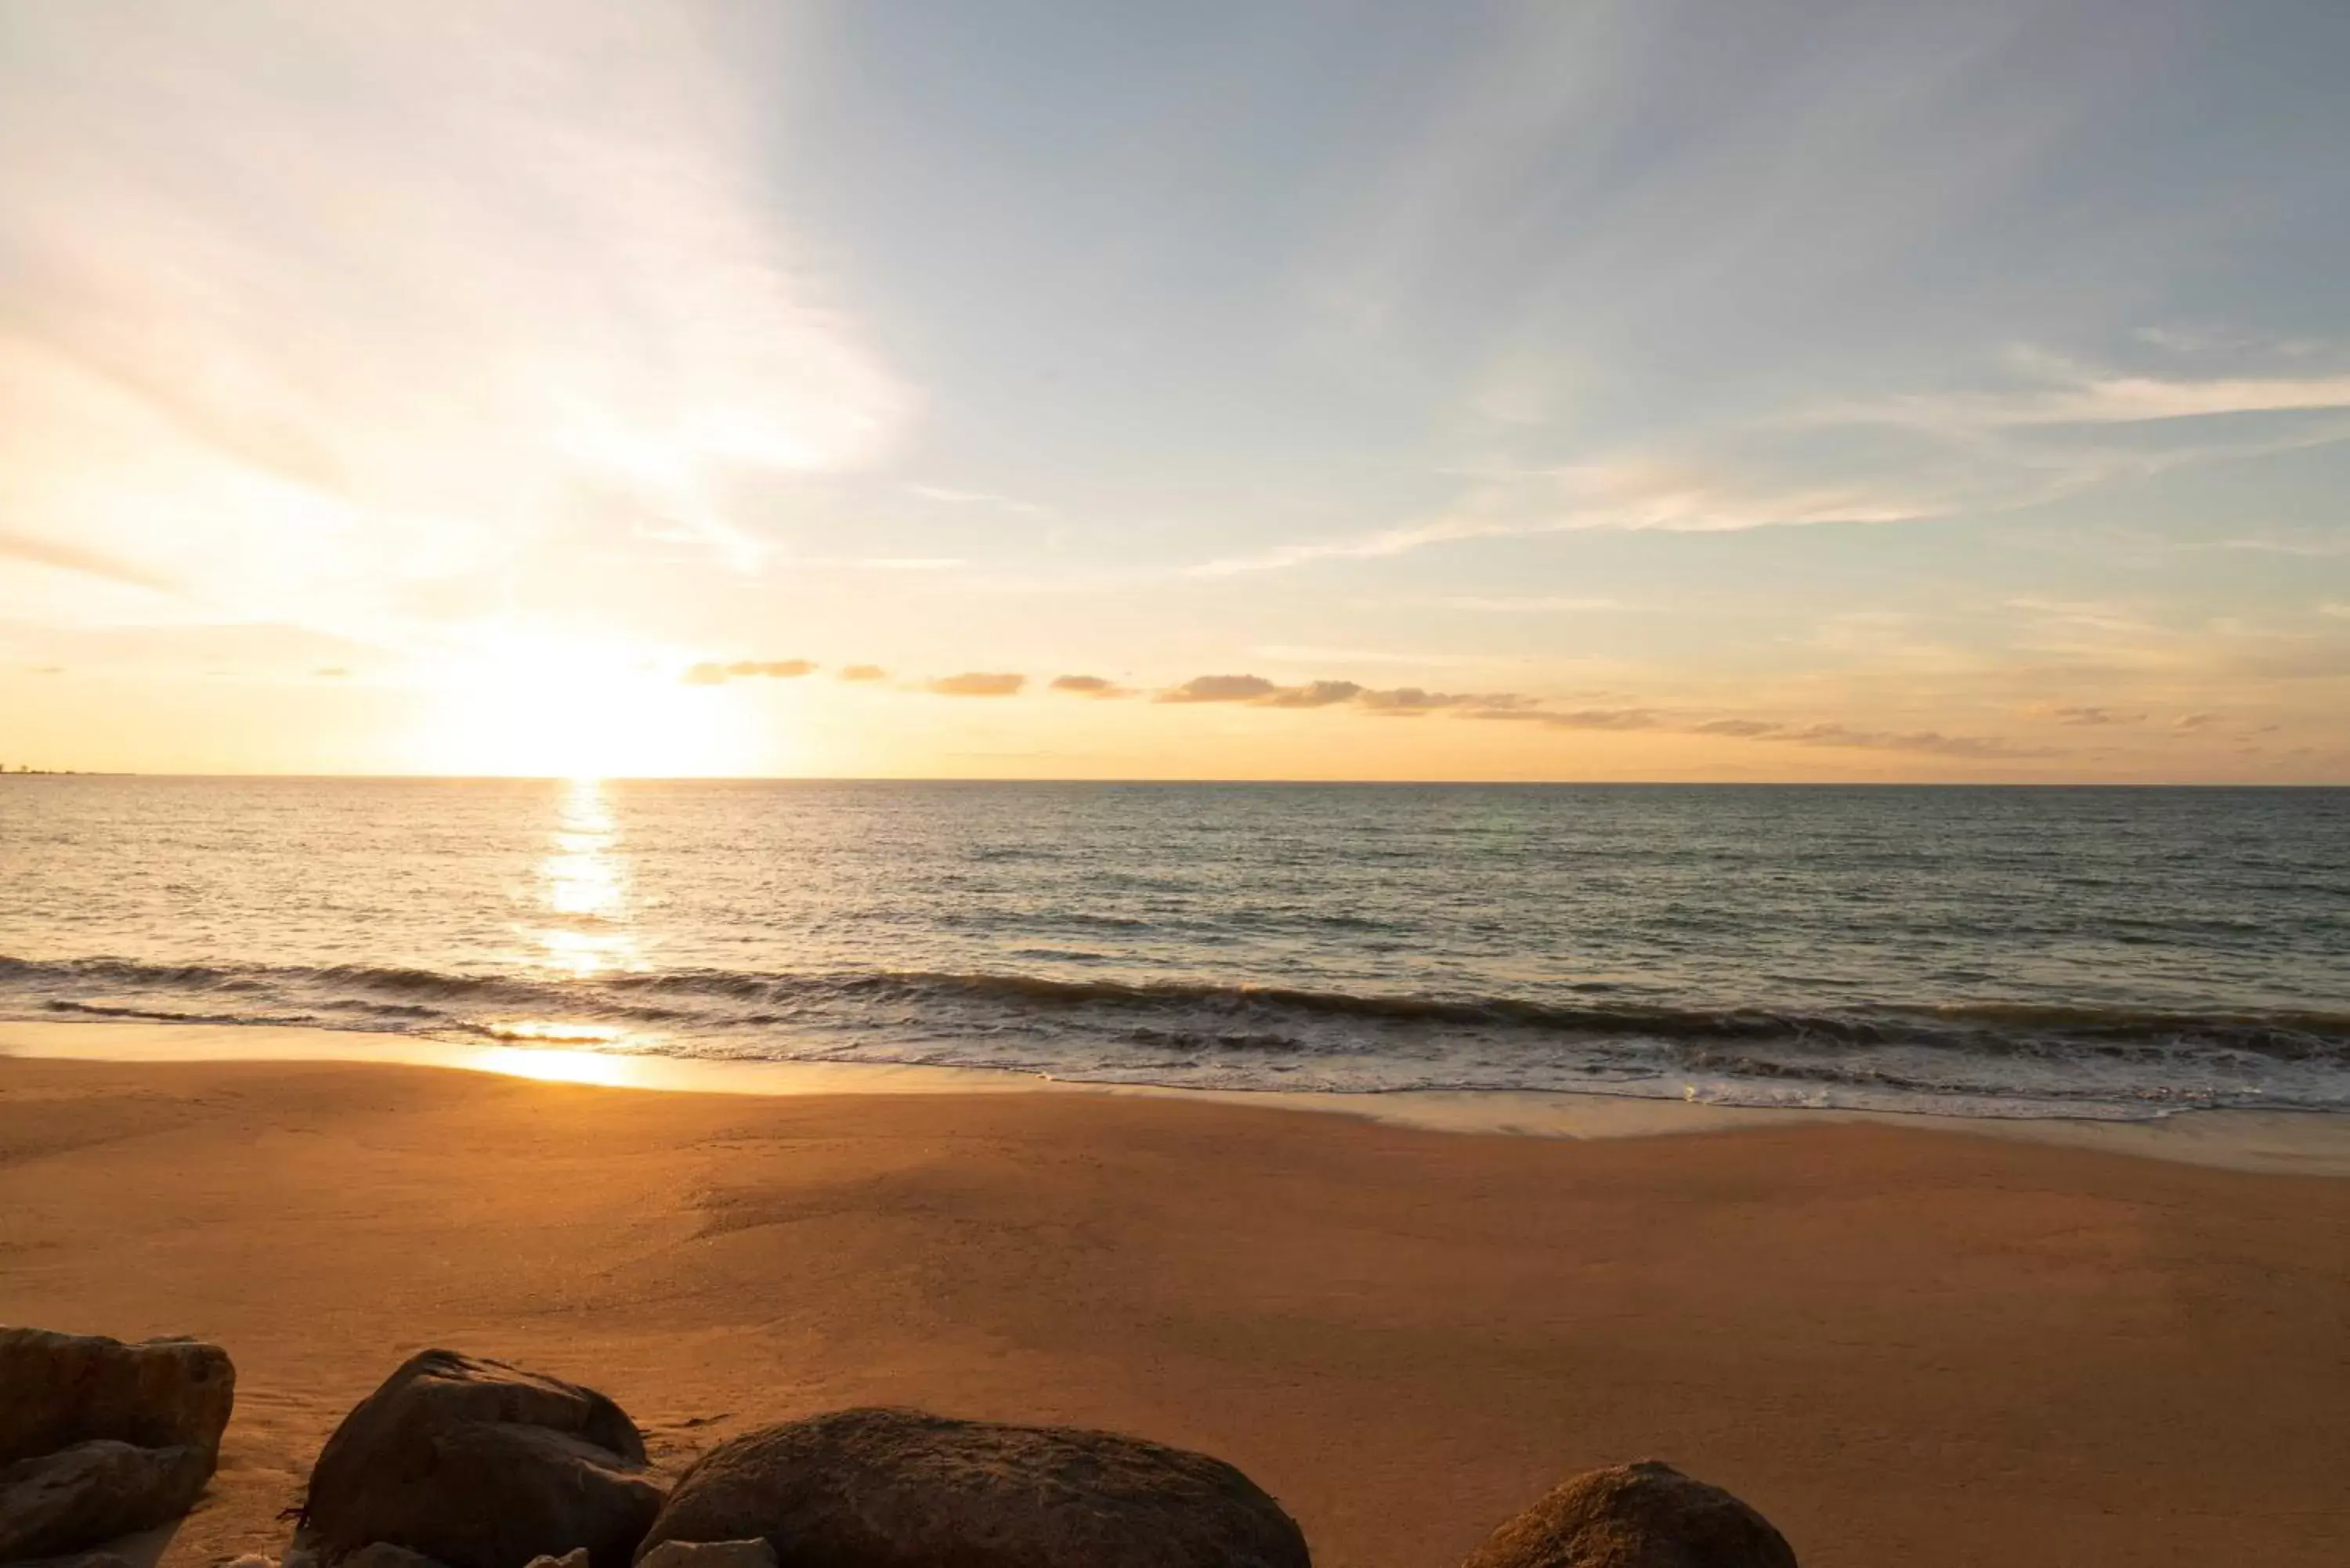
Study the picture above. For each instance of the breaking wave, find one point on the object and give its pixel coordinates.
(1973, 1058)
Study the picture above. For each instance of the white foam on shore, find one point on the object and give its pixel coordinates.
(2276, 1142)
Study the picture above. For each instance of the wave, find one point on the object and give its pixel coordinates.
(1922, 1056)
(660, 996)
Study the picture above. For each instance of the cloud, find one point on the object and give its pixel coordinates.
(977, 684)
(1519, 710)
(1738, 729)
(66, 556)
(1930, 742)
(1410, 701)
(711, 673)
(539, 293)
(1590, 497)
(1089, 686)
(2087, 718)
(332, 672)
(1220, 688)
(2188, 723)
(945, 496)
(2091, 399)
(2309, 544)
(1529, 604)
(863, 672)
(1313, 694)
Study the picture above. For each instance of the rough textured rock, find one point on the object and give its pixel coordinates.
(94, 1491)
(67, 1388)
(481, 1465)
(1644, 1515)
(80, 1560)
(384, 1554)
(898, 1488)
(752, 1553)
(574, 1558)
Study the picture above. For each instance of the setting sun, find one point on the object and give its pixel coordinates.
(533, 706)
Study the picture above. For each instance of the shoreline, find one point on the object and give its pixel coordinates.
(1900, 1343)
(2280, 1142)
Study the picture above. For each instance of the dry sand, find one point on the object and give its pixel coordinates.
(1904, 1344)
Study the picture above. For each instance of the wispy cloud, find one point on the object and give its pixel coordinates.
(2091, 399)
(863, 672)
(948, 497)
(711, 673)
(1220, 688)
(1529, 604)
(977, 684)
(1572, 719)
(66, 556)
(2092, 718)
(1313, 694)
(1929, 741)
(537, 290)
(1096, 685)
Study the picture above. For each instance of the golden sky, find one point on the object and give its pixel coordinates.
(1600, 391)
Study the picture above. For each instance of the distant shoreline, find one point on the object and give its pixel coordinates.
(916, 781)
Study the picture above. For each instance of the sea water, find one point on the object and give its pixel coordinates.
(1965, 951)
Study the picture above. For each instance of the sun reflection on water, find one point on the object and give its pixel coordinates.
(579, 929)
(582, 885)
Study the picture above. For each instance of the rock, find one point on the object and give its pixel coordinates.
(900, 1488)
(92, 1493)
(80, 1560)
(752, 1553)
(574, 1558)
(69, 1389)
(1644, 1515)
(384, 1554)
(481, 1465)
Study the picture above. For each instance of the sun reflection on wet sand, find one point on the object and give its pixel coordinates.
(600, 1068)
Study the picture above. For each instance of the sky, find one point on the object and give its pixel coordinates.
(1765, 390)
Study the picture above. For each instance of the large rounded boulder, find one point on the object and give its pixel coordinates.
(100, 1438)
(68, 1389)
(900, 1488)
(1644, 1515)
(477, 1464)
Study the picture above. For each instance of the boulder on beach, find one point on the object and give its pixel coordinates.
(477, 1464)
(94, 1491)
(68, 1389)
(752, 1553)
(900, 1489)
(99, 1439)
(1644, 1515)
(384, 1554)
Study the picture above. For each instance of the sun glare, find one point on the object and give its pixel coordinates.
(557, 1067)
(541, 707)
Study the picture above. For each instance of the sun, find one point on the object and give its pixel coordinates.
(538, 705)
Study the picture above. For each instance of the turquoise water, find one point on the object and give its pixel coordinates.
(2023, 951)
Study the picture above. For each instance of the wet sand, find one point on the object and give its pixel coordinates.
(1903, 1343)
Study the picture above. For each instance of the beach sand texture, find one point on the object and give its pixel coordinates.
(1903, 1346)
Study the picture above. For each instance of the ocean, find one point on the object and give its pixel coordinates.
(1982, 951)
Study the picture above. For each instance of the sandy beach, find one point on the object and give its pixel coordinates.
(1902, 1343)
